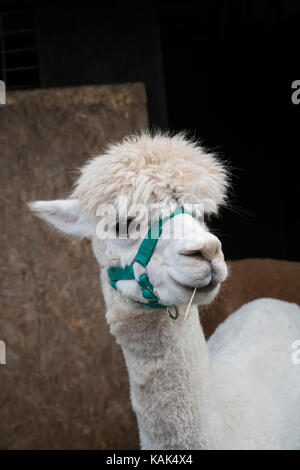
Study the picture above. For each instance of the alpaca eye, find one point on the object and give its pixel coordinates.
(122, 227)
(202, 217)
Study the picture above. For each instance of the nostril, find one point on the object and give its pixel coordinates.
(192, 247)
(191, 252)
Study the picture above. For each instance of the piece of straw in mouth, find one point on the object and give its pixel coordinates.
(186, 316)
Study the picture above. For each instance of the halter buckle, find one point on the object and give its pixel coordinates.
(171, 315)
(175, 315)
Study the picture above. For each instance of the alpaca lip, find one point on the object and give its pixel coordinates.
(208, 288)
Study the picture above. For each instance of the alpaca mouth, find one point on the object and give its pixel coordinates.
(208, 288)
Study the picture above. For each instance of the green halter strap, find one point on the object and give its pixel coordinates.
(143, 257)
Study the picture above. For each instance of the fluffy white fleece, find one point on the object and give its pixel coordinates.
(150, 169)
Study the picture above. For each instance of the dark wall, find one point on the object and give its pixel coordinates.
(102, 43)
(221, 69)
(229, 66)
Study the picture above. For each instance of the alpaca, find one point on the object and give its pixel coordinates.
(238, 390)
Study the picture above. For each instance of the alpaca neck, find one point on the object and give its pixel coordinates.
(171, 381)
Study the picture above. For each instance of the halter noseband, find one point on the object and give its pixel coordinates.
(143, 257)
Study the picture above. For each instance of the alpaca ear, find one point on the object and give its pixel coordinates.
(65, 215)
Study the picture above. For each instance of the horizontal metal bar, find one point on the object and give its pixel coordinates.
(16, 69)
(17, 31)
(14, 12)
(21, 49)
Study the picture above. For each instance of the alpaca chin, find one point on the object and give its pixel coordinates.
(205, 298)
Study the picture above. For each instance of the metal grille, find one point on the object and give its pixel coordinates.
(18, 48)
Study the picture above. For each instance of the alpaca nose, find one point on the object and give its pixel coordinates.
(207, 248)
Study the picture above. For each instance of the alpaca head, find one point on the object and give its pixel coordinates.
(121, 193)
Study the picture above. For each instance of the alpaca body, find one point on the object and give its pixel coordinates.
(239, 390)
(257, 382)
(219, 394)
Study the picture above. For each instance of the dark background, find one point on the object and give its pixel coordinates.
(221, 69)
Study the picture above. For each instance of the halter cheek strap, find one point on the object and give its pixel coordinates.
(143, 257)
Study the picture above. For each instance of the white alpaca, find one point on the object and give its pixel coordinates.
(239, 390)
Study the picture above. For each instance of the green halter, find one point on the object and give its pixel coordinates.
(143, 257)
